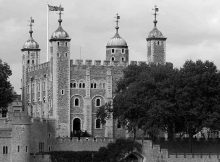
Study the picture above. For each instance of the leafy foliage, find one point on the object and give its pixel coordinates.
(5, 86)
(158, 98)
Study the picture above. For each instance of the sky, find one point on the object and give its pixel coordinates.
(192, 28)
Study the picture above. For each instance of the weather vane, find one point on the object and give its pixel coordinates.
(31, 24)
(117, 20)
(156, 9)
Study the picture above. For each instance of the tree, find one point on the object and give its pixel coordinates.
(159, 98)
(117, 151)
(138, 96)
(198, 96)
(5, 87)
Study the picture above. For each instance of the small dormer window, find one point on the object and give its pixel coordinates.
(113, 50)
(122, 59)
(62, 92)
(123, 50)
(113, 59)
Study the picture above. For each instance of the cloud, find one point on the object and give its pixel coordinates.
(191, 28)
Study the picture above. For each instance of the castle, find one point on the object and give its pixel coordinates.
(71, 92)
(60, 98)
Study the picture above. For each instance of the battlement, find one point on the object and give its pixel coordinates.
(80, 144)
(38, 67)
(102, 63)
(83, 140)
(163, 154)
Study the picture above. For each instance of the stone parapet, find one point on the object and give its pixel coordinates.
(39, 67)
(103, 63)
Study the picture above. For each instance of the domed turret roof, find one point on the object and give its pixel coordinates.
(60, 34)
(116, 41)
(155, 33)
(31, 44)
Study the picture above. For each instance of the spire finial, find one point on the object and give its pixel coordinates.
(117, 20)
(156, 9)
(60, 13)
(31, 24)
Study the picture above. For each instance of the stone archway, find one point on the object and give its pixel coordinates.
(76, 127)
(134, 157)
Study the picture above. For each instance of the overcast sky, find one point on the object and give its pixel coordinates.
(192, 28)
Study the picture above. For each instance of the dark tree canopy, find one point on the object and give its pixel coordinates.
(5, 86)
(160, 98)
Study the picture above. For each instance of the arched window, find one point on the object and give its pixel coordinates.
(84, 85)
(98, 124)
(113, 59)
(113, 50)
(73, 84)
(76, 102)
(66, 44)
(98, 102)
(58, 43)
(80, 85)
(122, 50)
(122, 59)
(5, 150)
(93, 84)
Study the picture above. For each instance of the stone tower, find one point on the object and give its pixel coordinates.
(60, 69)
(156, 44)
(117, 48)
(30, 58)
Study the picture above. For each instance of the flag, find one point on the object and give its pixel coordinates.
(55, 8)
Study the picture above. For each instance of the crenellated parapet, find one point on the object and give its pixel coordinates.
(39, 67)
(80, 62)
(82, 144)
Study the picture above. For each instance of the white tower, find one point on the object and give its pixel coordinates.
(30, 58)
(156, 44)
(60, 68)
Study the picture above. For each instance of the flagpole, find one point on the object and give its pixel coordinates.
(47, 33)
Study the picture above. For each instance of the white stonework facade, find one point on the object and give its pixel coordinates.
(60, 98)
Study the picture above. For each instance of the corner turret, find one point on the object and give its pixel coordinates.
(60, 69)
(117, 48)
(156, 44)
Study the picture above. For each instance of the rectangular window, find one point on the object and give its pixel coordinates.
(18, 148)
(26, 149)
(62, 92)
(122, 50)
